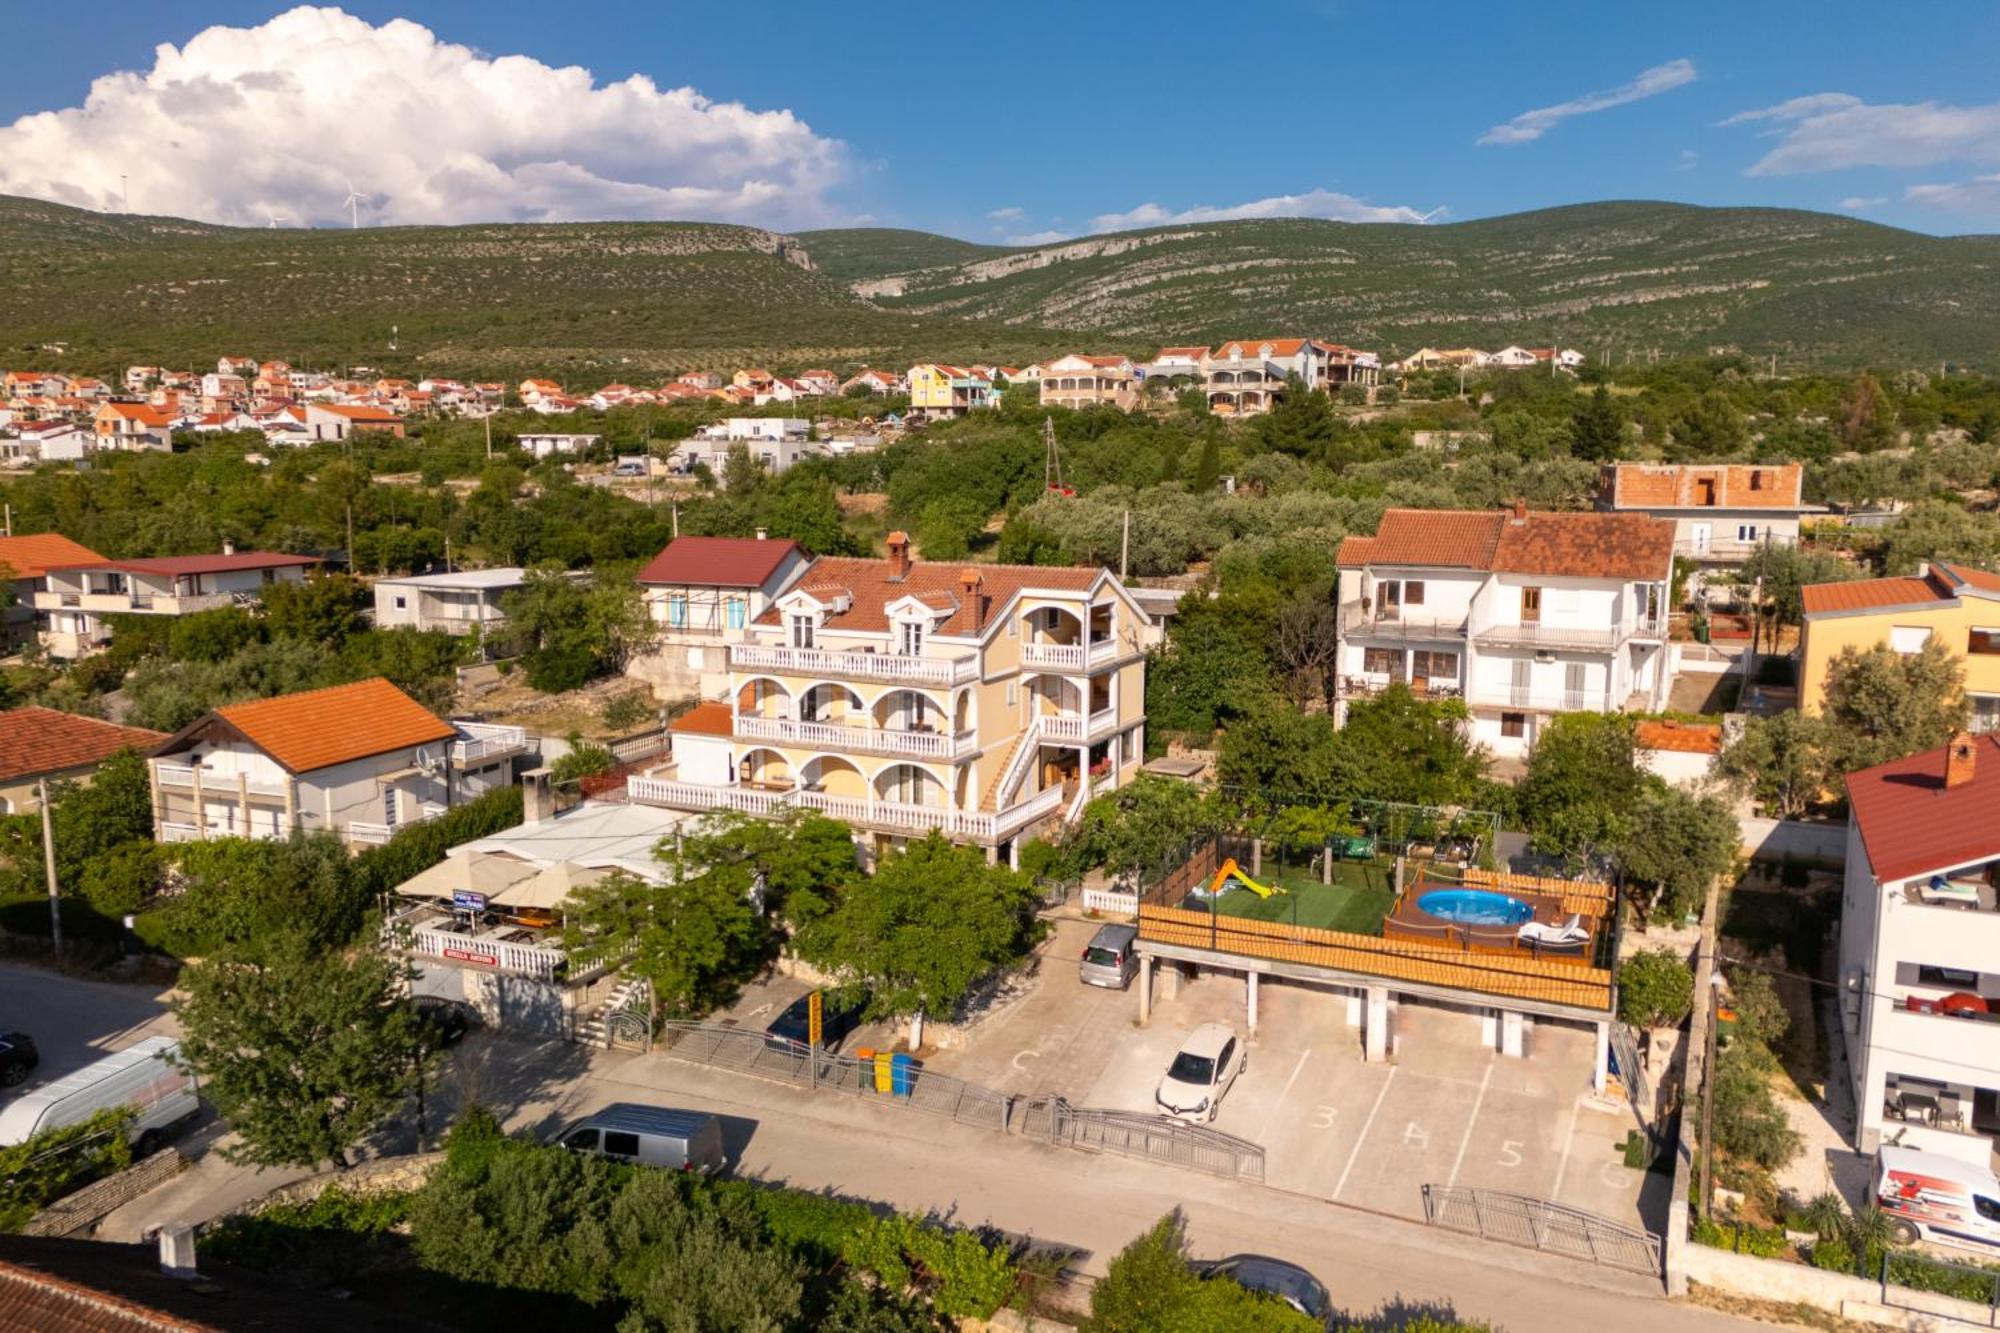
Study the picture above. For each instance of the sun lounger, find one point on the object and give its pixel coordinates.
(1572, 931)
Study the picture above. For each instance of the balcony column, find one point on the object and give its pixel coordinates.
(1375, 1026)
(200, 806)
(291, 806)
(1250, 1000)
(1145, 989)
(1600, 1066)
(243, 801)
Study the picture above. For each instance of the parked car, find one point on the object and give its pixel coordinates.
(1277, 1278)
(445, 1022)
(1937, 1198)
(650, 1136)
(628, 468)
(143, 1076)
(1202, 1072)
(1109, 959)
(18, 1058)
(837, 1018)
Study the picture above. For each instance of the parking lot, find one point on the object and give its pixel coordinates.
(1444, 1109)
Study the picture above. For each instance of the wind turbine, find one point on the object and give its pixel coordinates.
(272, 218)
(353, 205)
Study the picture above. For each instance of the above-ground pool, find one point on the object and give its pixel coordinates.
(1476, 907)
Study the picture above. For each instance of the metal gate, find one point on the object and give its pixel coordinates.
(1541, 1225)
(1156, 1138)
(1625, 1045)
(628, 1030)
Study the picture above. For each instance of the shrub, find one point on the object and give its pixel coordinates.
(1762, 1242)
(122, 879)
(583, 760)
(1833, 1254)
(1655, 989)
(623, 712)
(36, 1173)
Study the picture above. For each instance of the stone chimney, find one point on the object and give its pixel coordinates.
(1961, 760)
(177, 1250)
(763, 534)
(899, 554)
(538, 798)
(1520, 511)
(972, 586)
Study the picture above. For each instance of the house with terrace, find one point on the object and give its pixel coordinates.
(1721, 511)
(358, 761)
(1080, 381)
(903, 697)
(1919, 980)
(1521, 614)
(24, 565)
(75, 598)
(701, 595)
(1955, 606)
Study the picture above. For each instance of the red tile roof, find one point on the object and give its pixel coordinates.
(142, 413)
(37, 741)
(177, 566)
(1861, 594)
(1684, 737)
(319, 728)
(720, 562)
(1597, 546)
(874, 584)
(704, 719)
(1983, 580)
(1911, 822)
(1250, 346)
(31, 557)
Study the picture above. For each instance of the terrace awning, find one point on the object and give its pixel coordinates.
(550, 887)
(480, 873)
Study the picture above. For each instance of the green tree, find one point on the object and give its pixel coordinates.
(245, 894)
(1787, 570)
(1150, 1287)
(923, 929)
(948, 526)
(1274, 754)
(574, 632)
(303, 1052)
(323, 609)
(1144, 827)
(1678, 844)
(1597, 428)
(1865, 415)
(800, 858)
(694, 939)
(1711, 427)
(1884, 704)
(1938, 531)
(214, 635)
(1788, 762)
(1400, 747)
(1655, 989)
(1582, 783)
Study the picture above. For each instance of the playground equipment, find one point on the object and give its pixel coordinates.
(1230, 870)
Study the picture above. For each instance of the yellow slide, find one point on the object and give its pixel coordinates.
(1230, 870)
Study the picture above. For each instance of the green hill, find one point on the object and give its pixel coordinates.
(634, 301)
(1616, 276)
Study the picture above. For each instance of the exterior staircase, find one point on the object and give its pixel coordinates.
(1007, 778)
(596, 1029)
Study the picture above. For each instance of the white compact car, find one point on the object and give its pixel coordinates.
(1206, 1064)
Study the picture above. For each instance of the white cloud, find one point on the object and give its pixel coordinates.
(1312, 204)
(1979, 195)
(1688, 160)
(281, 116)
(1532, 125)
(1835, 131)
(1857, 203)
(1007, 215)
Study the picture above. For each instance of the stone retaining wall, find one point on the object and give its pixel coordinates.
(384, 1175)
(77, 1213)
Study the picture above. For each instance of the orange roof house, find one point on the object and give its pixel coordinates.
(44, 743)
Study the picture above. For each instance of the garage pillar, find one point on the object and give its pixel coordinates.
(1250, 999)
(1145, 989)
(1351, 1002)
(1173, 981)
(1375, 1030)
(1489, 1029)
(1511, 1030)
(1600, 1068)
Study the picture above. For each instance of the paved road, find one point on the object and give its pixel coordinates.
(921, 1164)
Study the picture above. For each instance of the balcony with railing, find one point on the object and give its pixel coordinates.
(136, 602)
(867, 666)
(1541, 701)
(218, 784)
(1369, 684)
(431, 931)
(1076, 727)
(896, 817)
(1395, 622)
(481, 741)
(898, 742)
(1048, 656)
(1535, 634)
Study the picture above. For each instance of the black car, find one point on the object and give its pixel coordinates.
(837, 1019)
(18, 1058)
(1274, 1277)
(445, 1022)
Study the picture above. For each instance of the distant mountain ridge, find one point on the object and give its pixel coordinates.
(634, 301)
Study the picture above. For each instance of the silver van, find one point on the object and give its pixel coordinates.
(1110, 959)
(650, 1136)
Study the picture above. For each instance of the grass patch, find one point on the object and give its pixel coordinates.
(1356, 901)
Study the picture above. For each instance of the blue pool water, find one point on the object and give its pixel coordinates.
(1476, 907)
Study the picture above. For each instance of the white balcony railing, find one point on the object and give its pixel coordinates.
(214, 783)
(854, 666)
(1366, 685)
(179, 832)
(1069, 656)
(1357, 621)
(700, 796)
(1538, 635)
(863, 811)
(1543, 701)
(371, 835)
(1076, 727)
(534, 960)
(483, 740)
(863, 740)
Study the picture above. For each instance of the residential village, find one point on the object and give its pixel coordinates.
(1514, 755)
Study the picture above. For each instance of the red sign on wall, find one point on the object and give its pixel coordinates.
(472, 956)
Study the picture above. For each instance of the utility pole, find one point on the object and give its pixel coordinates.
(350, 536)
(489, 434)
(1125, 547)
(49, 864)
(7, 523)
(677, 518)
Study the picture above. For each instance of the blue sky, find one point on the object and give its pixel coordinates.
(1002, 122)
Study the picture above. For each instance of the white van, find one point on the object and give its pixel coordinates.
(650, 1136)
(1938, 1198)
(143, 1076)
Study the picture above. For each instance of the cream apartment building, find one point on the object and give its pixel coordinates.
(1079, 381)
(904, 697)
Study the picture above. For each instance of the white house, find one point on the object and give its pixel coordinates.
(75, 598)
(460, 602)
(1523, 615)
(762, 428)
(1721, 511)
(1920, 950)
(543, 445)
(702, 594)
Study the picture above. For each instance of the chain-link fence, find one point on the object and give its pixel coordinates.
(1541, 1225)
(1157, 1138)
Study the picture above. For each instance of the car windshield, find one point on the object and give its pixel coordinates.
(1191, 1068)
(1101, 957)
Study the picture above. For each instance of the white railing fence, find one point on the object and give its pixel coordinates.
(865, 666)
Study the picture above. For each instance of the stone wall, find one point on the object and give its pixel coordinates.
(1849, 1297)
(79, 1212)
(384, 1175)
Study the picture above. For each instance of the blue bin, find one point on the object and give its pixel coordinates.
(903, 1074)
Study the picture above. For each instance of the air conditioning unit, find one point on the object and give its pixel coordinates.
(1544, 655)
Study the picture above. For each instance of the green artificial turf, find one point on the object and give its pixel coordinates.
(1356, 901)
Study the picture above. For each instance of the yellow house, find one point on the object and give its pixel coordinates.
(937, 389)
(1948, 604)
(983, 701)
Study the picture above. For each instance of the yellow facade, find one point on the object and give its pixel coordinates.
(1950, 621)
(930, 388)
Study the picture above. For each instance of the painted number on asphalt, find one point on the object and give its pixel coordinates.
(1323, 1116)
(1510, 1153)
(1415, 1134)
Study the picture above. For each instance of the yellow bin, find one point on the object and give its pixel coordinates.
(884, 1071)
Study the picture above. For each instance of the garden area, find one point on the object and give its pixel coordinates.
(1356, 901)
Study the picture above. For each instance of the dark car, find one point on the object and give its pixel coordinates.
(1274, 1277)
(445, 1022)
(837, 1019)
(18, 1058)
